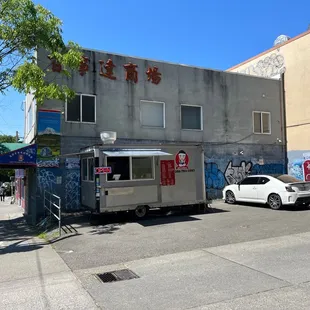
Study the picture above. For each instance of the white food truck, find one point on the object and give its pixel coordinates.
(141, 177)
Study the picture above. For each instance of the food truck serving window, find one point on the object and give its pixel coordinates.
(132, 164)
(130, 168)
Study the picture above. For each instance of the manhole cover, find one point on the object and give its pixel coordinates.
(117, 275)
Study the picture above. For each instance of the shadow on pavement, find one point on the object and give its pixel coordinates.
(16, 247)
(112, 222)
(283, 209)
(168, 219)
(16, 229)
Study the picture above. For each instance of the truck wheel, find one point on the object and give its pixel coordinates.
(141, 212)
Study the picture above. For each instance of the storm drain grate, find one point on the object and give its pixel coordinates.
(117, 275)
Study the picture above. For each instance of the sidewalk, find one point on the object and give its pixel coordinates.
(32, 274)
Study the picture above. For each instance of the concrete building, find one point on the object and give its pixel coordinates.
(238, 118)
(289, 56)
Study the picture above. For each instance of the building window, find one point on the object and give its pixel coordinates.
(130, 168)
(88, 169)
(191, 117)
(261, 122)
(152, 114)
(81, 109)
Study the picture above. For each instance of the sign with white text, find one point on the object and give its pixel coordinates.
(103, 170)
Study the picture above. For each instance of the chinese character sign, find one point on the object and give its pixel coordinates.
(56, 67)
(131, 73)
(106, 69)
(153, 75)
(84, 65)
(109, 67)
(167, 173)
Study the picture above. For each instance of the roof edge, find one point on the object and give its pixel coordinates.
(269, 50)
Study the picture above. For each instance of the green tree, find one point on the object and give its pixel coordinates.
(7, 139)
(25, 27)
(6, 173)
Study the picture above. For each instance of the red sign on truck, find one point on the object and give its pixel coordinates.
(306, 169)
(167, 173)
(103, 170)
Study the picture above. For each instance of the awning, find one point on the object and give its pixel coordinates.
(18, 155)
(135, 152)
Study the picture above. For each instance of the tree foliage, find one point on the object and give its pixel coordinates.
(7, 139)
(6, 173)
(24, 28)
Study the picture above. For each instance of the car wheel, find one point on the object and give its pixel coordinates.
(274, 201)
(230, 197)
(141, 212)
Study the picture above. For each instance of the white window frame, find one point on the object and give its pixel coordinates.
(201, 116)
(30, 110)
(93, 159)
(87, 166)
(261, 122)
(130, 170)
(164, 113)
(81, 110)
(82, 166)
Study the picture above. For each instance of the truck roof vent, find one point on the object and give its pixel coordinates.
(108, 137)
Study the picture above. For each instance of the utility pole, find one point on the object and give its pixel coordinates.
(17, 138)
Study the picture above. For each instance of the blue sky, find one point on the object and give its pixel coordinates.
(205, 33)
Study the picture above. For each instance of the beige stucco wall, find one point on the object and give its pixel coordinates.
(293, 58)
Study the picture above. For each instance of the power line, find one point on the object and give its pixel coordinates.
(297, 125)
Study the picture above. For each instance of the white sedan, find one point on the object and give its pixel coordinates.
(276, 191)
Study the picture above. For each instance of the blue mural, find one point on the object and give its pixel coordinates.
(215, 181)
(268, 169)
(48, 139)
(295, 169)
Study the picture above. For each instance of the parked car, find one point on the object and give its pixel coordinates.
(275, 191)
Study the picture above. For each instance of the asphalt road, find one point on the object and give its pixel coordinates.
(116, 240)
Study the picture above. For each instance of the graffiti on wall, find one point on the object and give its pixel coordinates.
(214, 180)
(268, 169)
(295, 169)
(72, 190)
(235, 174)
(267, 67)
(296, 164)
(47, 180)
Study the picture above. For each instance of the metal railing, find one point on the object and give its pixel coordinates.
(51, 202)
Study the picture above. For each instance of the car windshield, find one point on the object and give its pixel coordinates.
(288, 179)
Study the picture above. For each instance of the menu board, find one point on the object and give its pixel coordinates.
(167, 173)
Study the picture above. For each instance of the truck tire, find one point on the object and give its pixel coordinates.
(141, 212)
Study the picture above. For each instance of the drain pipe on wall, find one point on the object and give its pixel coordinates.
(284, 129)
